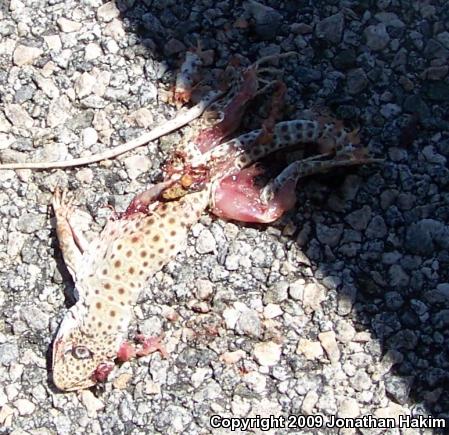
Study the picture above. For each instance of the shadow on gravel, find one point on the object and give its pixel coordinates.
(367, 250)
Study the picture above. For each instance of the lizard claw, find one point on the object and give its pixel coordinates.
(62, 205)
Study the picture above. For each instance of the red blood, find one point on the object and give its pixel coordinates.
(126, 352)
(211, 137)
(236, 197)
(101, 373)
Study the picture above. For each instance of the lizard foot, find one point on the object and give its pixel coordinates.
(149, 345)
(62, 205)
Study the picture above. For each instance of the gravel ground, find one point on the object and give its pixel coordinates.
(341, 308)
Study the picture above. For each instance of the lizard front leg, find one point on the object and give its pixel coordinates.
(70, 241)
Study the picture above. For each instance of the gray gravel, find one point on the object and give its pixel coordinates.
(341, 308)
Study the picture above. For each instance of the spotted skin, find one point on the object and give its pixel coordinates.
(109, 276)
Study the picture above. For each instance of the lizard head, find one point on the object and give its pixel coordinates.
(80, 360)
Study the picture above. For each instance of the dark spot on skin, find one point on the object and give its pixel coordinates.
(156, 238)
(107, 286)
(99, 324)
(172, 220)
(172, 233)
(131, 270)
(147, 232)
(151, 221)
(109, 327)
(172, 246)
(117, 264)
(96, 291)
(152, 255)
(112, 313)
(135, 239)
(145, 263)
(119, 246)
(112, 256)
(160, 250)
(129, 253)
(104, 271)
(122, 303)
(98, 305)
(164, 207)
(160, 263)
(143, 254)
(117, 277)
(183, 224)
(121, 291)
(132, 285)
(111, 298)
(161, 225)
(140, 272)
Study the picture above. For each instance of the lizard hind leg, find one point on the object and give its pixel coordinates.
(238, 196)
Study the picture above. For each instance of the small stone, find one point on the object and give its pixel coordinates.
(331, 28)
(267, 353)
(330, 345)
(141, 118)
(271, 311)
(377, 229)
(424, 236)
(24, 55)
(345, 331)
(108, 12)
(91, 403)
(85, 175)
(24, 406)
(9, 353)
(393, 300)
(310, 349)
(18, 116)
(68, 26)
(53, 42)
(359, 219)
(277, 293)
(432, 156)
(313, 295)
(377, 37)
(392, 411)
(390, 110)
(29, 223)
(92, 51)
(232, 357)
(267, 20)
(398, 388)
(122, 381)
(249, 324)
(115, 30)
(296, 290)
(348, 408)
(437, 90)
(89, 136)
(329, 236)
(232, 262)
(205, 242)
(47, 85)
(357, 81)
(59, 111)
(398, 277)
(85, 85)
(309, 402)
(205, 289)
(361, 381)
(173, 46)
(137, 165)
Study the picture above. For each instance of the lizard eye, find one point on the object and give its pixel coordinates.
(81, 352)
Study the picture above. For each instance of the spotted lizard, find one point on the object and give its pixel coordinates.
(210, 172)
